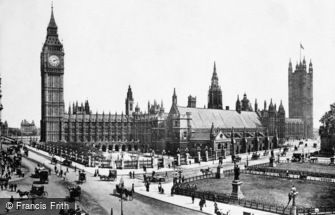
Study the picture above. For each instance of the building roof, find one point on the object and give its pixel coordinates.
(203, 118)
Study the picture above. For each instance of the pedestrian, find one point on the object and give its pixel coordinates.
(15, 186)
(67, 169)
(1, 186)
(201, 204)
(133, 174)
(166, 174)
(6, 184)
(130, 174)
(75, 168)
(193, 197)
(169, 166)
(133, 188)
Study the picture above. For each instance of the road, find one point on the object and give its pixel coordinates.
(97, 196)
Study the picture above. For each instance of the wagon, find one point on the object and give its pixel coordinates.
(37, 191)
(74, 192)
(82, 177)
(44, 176)
(110, 177)
(156, 178)
(255, 156)
(67, 163)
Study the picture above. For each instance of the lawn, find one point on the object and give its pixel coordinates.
(321, 168)
(274, 190)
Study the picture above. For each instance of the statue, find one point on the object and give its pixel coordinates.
(236, 172)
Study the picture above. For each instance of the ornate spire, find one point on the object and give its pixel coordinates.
(215, 79)
(52, 23)
(174, 97)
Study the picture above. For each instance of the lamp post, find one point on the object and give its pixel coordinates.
(122, 190)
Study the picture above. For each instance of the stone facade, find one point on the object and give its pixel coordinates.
(52, 72)
(133, 130)
(300, 84)
(28, 128)
(229, 132)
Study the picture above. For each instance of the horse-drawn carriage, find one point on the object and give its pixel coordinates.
(123, 192)
(255, 156)
(37, 191)
(236, 158)
(53, 160)
(4, 180)
(82, 177)
(42, 174)
(155, 178)
(66, 162)
(110, 177)
(206, 171)
(74, 192)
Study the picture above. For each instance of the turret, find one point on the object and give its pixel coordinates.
(281, 108)
(214, 92)
(129, 102)
(256, 105)
(271, 107)
(174, 97)
(310, 69)
(265, 106)
(290, 67)
(238, 107)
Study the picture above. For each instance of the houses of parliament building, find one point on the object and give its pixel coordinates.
(190, 128)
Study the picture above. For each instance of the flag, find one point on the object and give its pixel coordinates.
(301, 46)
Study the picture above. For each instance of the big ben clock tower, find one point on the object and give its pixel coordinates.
(52, 71)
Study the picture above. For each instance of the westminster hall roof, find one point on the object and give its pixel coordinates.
(203, 118)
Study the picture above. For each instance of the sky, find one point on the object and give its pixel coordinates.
(158, 45)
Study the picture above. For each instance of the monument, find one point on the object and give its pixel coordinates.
(236, 192)
(292, 195)
(272, 159)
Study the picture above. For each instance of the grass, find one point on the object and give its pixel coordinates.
(275, 190)
(321, 168)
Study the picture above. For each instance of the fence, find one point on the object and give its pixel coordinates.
(182, 189)
(227, 199)
(313, 176)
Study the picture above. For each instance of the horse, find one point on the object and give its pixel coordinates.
(128, 193)
(23, 193)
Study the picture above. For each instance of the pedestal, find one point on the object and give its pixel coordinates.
(293, 210)
(206, 155)
(178, 159)
(332, 161)
(199, 157)
(218, 172)
(187, 158)
(236, 192)
(272, 162)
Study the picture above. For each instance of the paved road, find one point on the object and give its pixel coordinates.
(98, 198)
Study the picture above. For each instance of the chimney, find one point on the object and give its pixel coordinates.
(192, 102)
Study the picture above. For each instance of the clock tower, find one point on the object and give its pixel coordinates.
(52, 71)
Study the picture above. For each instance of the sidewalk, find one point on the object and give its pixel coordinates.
(186, 201)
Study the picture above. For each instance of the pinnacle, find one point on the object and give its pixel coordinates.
(52, 23)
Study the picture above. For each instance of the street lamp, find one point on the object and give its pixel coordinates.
(121, 193)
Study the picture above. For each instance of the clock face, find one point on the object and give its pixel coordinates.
(54, 60)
